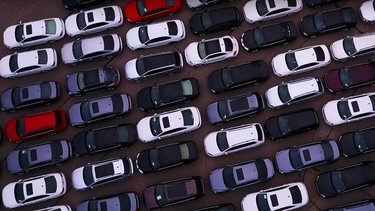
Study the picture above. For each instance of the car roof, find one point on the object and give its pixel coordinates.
(242, 103)
(302, 87)
(99, 43)
(35, 28)
(40, 121)
(171, 121)
(108, 169)
(245, 173)
(361, 104)
(39, 154)
(366, 172)
(275, 31)
(98, 15)
(302, 118)
(152, 62)
(242, 135)
(364, 41)
(105, 105)
(223, 14)
(312, 154)
(160, 29)
(30, 92)
(309, 55)
(29, 58)
(36, 187)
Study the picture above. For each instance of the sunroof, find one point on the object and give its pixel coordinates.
(274, 200)
(355, 106)
(239, 104)
(95, 107)
(25, 93)
(166, 123)
(306, 155)
(33, 155)
(29, 189)
(239, 173)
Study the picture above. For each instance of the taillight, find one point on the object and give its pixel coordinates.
(120, 20)
(116, 83)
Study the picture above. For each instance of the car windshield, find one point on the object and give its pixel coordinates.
(143, 34)
(258, 36)
(50, 26)
(295, 158)
(343, 109)
(222, 142)
(223, 109)
(226, 77)
(140, 64)
(141, 7)
(88, 176)
(228, 177)
(90, 141)
(13, 63)
(19, 33)
(206, 20)
(155, 126)
(283, 124)
(155, 95)
(261, 7)
(20, 127)
(345, 77)
(283, 92)
(154, 158)
(23, 158)
(262, 202)
(77, 49)
(16, 100)
(337, 181)
(160, 195)
(18, 192)
(81, 22)
(85, 111)
(319, 22)
(291, 62)
(360, 141)
(202, 50)
(81, 80)
(349, 46)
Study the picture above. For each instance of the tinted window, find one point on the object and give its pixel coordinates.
(18, 192)
(319, 21)
(109, 14)
(13, 63)
(42, 57)
(77, 50)
(188, 117)
(20, 127)
(283, 92)
(296, 194)
(228, 44)
(19, 33)
(143, 34)
(45, 90)
(262, 202)
(295, 158)
(349, 46)
(319, 53)
(228, 177)
(141, 7)
(343, 109)
(88, 175)
(109, 43)
(291, 62)
(345, 77)
(51, 184)
(172, 28)
(222, 141)
(223, 109)
(50, 26)
(155, 126)
(261, 7)
(81, 23)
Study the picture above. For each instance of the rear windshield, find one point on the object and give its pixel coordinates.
(50, 26)
(109, 14)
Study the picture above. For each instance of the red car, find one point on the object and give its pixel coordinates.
(32, 126)
(138, 11)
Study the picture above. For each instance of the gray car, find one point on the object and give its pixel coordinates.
(122, 201)
(96, 109)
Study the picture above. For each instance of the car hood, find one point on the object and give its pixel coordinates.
(273, 98)
(307, 26)
(250, 12)
(9, 200)
(191, 54)
(347, 145)
(71, 25)
(215, 82)
(143, 163)
(196, 24)
(77, 179)
(144, 99)
(367, 11)
(72, 84)
(330, 114)
(10, 131)
(131, 13)
(279, 66)
(213, 113)
(210, 145)
(79, 144)
(144, 131)
(332, 81)
(249, 201)
(74, 113)
(149, 197)
(216, 181)
(13, 164)
(9, 37)
(67, 53)
(4, 67)
(132, 38)
(271, 129)
(131, 70)
(324, 185)
(6, 100)
(282, 161)
(248, 41)
(337, 50)
(194, 3)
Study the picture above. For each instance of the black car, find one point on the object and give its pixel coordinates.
(364, 205)
(219, 207)
(318, 3)
(346, 179)
(92, 141)
(161, 95)
(290, 124)
(215, 20)
(270, 35)
(357, 142)
(78, 4)
(121, 201)
(328, 21)
(238, 76)
(199, 4)
(166, 156)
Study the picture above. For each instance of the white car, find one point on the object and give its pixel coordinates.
(56, 208)
(34, 190)
(367, 11)
(353, 47)
(33, 33)
(349, 109)
(28, 63)
(155, 34)
(211, 50)
(262, 10)
(92, 21)
(294, 91)
(167, 124)
(234, 139)
(301, 60)
(89, 48)
(285, 197)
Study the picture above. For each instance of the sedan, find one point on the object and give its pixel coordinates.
(239, 175)
(79, 4)
(367, 11)
(356, 206)
(357, 142)
(122, 201)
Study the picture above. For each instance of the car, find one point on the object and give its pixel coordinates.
(169, 123)
(33, 33)
(328, 21)
(91, 80)
(85, 49)
(298, 158)
(357, 142)
(289, 196)
(117, 202)
(155, 34)
(211, 50)
(173, 192)
(294, 91)
(233, 176)
(262, 10)
(33, 190)
(348, 178)
(349, 109)
(266, 36)
(151, 65)
(291, 124)
(28, 95)
(92, 21)
(215, 20)
(35, 125)
(234, 107)
(102, 173)
(240, 75)
(350, 77)
(233, 139)
(301, 60)
(105, 138)
(318, 3)
(79, 4)
(199, 4)
(138, 11)
(218, 207)
(367, 11)
(166, 156)
(161, 95)
(56, 208)
(368, 204)
(33, 157)
(28, 63)
(97, 109)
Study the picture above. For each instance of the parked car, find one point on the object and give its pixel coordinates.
(328, 21)
(301, 60)
(233, 139)
(166, 156)
(292, 123)
(235, 107)
(262, 10)
(155, 34)
(346, 179)
(101, 139)
(169, 123)
(232, 77)
(28, 63)
(137, 11)
(36, 156)
(265, 36)
(233, 176)
(56, 208)
(161, 95)
(173, 192)
(97, 109)
(101, 173)
(298, 158)
(367, 11)
(122, 201)
(33, 33)
(294, 91)
(79, 4)
(219, 207)
(87, 81)
(93, 21)
(356, 206)
(91, 48)
(33, 190)
(285, 197)
(152, 65)
(35, 125)
(349, 109)
(199, 4)
(211, 50)
(318, 3)
(357, 142)
(24, 96)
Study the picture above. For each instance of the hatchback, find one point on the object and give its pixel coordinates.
(199, 4)
(357, 142)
